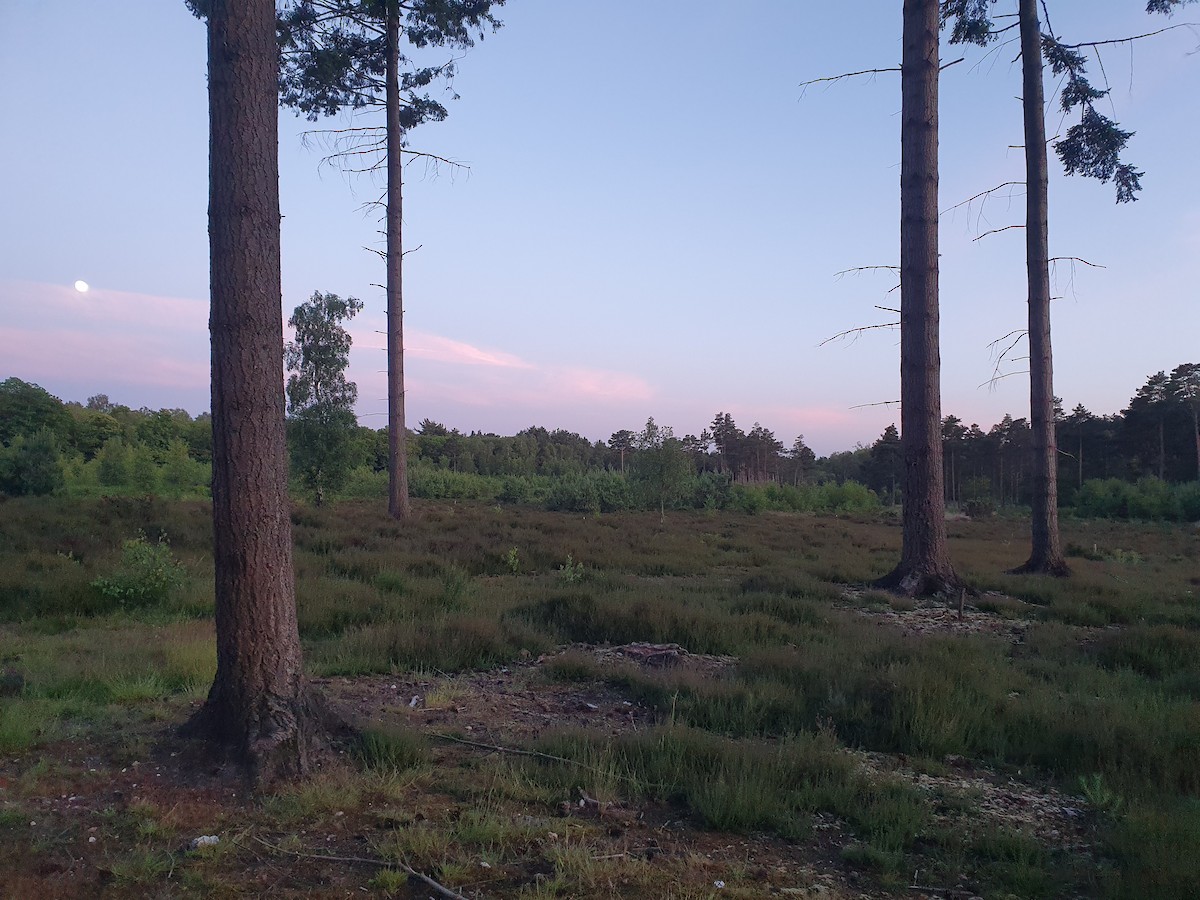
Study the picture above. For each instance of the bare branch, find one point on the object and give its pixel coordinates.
(805, 85)
(858, 269)
(991, 382)
(1075, 259)
(1017, 336)
(996, 231)
(1190, 26)
(856, 332)
(989, 191)
(880, 403)
(412, 873)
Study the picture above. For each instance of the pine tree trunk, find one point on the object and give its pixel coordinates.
(1162, 449)
(924, 560)
(1046, 554)
(398, 502)
(258, 705)
(1196, 432)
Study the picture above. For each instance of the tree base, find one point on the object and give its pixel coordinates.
(1055, 566)
(915, 582)
(276, 740)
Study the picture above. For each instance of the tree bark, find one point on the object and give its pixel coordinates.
(924, 559)
(398, 502)
(258, 705)
(1046, 554)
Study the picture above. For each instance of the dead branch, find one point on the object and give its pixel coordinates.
(1017, 336)
(880, 403)
(990, 190)
(439, 889)
(1075, 259)
(535, 754)
(805, 85)
(858, 269)
(1190, 26)
(996, 231)
(856, 332)
(991, 382)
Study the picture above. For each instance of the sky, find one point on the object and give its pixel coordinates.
(652, 223)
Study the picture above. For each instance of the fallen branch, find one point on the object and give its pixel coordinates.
(439, 889)
(536, 754)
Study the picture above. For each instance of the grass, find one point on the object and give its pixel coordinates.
(1099, 692)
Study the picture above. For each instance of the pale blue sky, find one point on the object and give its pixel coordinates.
(651, 225)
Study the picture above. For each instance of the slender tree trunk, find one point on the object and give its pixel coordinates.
(924, 560)
(398, 503)
(1162, 449)
(258, 705)
(1196, 432)
(1046, 553)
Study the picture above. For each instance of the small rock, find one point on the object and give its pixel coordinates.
(205, 840)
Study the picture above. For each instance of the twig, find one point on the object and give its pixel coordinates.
(856, 331)
(1076, 259)
(1191, 26)
(996, 231)
(858, 269)
(832, 78)
(440, 890)
(991, 190)
(535, 754)
(880, 403)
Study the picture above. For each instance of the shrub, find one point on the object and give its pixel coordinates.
(149, 574)
(31, 466)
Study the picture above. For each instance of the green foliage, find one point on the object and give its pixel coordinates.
(1148, 499)
(148, 575)
(661, 469)
(26, 409)
(31, 465)
(112, 463)
(571, 572)
(1099, 795)
(320, 400)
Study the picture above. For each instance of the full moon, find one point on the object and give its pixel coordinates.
(81, 286)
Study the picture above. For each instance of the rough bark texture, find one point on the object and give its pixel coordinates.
(924, 560)
(398, 502)
(258, 706)
(1046, 555)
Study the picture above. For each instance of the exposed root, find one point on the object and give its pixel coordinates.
(1055, 566)
(914, 582)
(279, 740)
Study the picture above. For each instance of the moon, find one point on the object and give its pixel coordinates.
(81, 286)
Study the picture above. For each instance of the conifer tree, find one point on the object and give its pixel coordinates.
(347, 54)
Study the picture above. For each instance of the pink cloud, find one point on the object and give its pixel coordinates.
(158, 347)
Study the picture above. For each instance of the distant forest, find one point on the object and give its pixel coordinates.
(1143, 462)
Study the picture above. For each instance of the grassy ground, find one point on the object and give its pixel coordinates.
(816, 737)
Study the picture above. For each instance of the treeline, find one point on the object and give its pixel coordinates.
(1143, 462)
(1140, 463)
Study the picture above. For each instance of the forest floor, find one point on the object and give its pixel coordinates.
(717, 707)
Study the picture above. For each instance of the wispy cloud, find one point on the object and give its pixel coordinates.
(157, 347)
(435, 347)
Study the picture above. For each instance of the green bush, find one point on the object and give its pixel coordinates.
(149, 574)
(31, 466)
(1150, 498)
